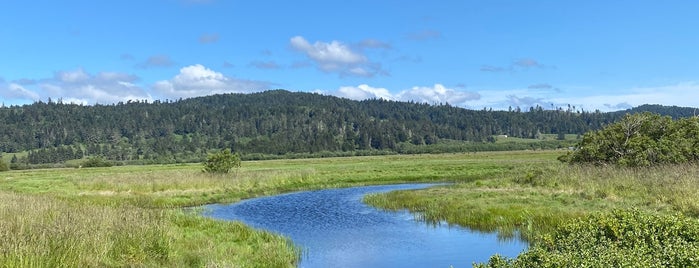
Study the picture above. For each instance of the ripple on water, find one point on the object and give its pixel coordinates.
(336, 229)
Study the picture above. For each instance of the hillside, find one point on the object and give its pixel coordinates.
(274, 122)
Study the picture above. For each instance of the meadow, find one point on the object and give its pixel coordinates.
(143, 216)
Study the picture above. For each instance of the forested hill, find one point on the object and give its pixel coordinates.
(272, 122)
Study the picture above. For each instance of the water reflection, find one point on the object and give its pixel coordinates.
(337, 230)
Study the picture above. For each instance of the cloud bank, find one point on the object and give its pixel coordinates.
(437, 94)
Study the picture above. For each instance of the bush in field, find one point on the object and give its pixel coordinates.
(222, 162)
(640, 140)
(96, 162)
(3, 165)
(622, 239)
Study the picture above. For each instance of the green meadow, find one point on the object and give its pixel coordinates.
(142, 216)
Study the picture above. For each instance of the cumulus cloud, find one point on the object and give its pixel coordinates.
(433, 95)
(104, 87)
(438, 94)
(336, 57)
(363, 92)
(208, 38)
(76, 86)
(197, 80)
(157, 61)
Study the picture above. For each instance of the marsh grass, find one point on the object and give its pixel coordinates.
(533, 199)
(130, 215)
(38, 231)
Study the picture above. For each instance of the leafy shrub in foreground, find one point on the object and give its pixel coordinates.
(640, 140)
(621, 239)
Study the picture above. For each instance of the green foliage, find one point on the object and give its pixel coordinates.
(96, 161)
(621, 239)
(3, 164)
(640, 140)
(222, 162)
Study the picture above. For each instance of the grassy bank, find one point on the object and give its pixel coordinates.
(534, 198)
(128, 216)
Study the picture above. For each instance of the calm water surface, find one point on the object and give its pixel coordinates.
(336, 229)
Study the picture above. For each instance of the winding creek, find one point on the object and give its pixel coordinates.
(336, 229)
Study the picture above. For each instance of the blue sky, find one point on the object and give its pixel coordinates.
(605, 55)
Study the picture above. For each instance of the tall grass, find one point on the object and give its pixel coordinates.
(535, 198)
(40, 231)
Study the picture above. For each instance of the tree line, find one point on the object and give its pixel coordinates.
(276, 122)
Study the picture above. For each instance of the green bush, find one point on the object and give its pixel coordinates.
(96, 162)
(3, 165)
(620, 239)
(640, 140)
(222, 162)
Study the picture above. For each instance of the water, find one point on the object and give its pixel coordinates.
(336, 229)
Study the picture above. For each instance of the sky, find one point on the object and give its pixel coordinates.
(497, 54)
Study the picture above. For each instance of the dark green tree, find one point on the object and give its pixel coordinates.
(222, 162)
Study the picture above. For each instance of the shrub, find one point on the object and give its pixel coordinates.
(3, 165)
(640, 140)
(620, 239)
(222, 162)
(96, 162)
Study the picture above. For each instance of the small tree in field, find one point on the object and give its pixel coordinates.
(221, 162)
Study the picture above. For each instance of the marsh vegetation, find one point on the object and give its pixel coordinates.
(132, 216)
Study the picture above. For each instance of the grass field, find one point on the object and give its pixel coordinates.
(131, 216)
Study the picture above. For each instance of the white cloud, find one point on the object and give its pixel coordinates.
(327, 53)
(438, 94)
(81, 87)
(433, 95)
(16, 91)
(684, 94)
(363, 92)
(197, 80)
(76, 76)
(76, 86)
(336, 57)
